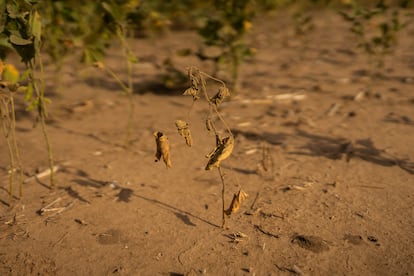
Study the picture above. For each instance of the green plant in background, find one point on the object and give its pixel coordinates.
(70, 31)
(9, 86)
(21, 25)
(116, 20)
(225, 29)
(376, 28)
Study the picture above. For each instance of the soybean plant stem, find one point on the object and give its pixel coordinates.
(223, 224)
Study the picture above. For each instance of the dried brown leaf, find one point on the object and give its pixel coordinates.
(192, 92)
(184, 131)
(163, 148)
(236, 202)
(220, 96)
(222, 151)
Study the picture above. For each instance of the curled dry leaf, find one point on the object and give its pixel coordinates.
(192, 92)
(222, 151)
(194, 77)
(236, 202)
(163, 148)
(184, 131)
(220, 96)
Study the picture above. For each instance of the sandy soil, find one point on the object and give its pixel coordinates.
(338, 199)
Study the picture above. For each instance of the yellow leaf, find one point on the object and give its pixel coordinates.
(163, 148)
(247, 25)
(10, 73)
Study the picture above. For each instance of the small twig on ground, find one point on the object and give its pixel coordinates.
(47, 207)
(260, 229)
(68, 206)
(294, 269)
(42, 174)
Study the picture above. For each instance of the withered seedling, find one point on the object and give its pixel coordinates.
(224, 143)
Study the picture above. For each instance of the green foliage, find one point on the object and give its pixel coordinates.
(225, 27)
(377, 28)
(302, 23)
(20, 28)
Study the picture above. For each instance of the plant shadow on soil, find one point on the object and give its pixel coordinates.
(333, 148)
(184, 216)
(154, 84)
(125, 194)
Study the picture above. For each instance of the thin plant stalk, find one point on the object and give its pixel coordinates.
(9, 126)
(223, 222)
(203, 85)
(130, 87)
(16, 148)
(127, 88)
(4, 118)
(41, 108)
(214, 107)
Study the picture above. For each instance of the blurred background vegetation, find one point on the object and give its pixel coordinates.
(69, 25)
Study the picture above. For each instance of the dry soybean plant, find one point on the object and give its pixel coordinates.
(224, 144)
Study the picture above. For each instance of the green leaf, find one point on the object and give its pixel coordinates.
(26, 75)
(4, 41)
(35, 25)
(29, 93)
(13, 10)
(18, 40)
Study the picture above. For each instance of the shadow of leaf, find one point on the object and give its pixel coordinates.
(124, 195)
(184, 219)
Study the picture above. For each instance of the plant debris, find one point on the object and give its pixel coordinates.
(236, 202)
(184, 131)
(236, 237)
(163, 148)
(270, 234)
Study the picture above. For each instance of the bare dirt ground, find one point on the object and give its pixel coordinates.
(337, 201)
